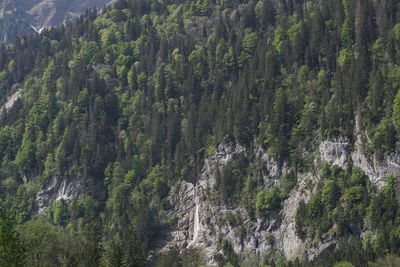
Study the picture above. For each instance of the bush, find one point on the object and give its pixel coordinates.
(268, 201)
(353, 194)
(387, 261)
(330, 195)
(343, 264)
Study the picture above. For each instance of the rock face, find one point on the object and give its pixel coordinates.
(48, 13)
(202, 221)
(337, 153)
(17, 17)
(57, 189)
(10, 101)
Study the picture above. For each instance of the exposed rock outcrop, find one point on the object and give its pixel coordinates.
(11, 100)
(337, 153)
(18, 17)
(203, 222)
(376, 168)
(57, 189)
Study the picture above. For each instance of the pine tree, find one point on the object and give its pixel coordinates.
(396, 111)
(11, 250)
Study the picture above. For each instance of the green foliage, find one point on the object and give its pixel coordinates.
(249, 43)
(396, 111)
(268, 201)
(388, 260)
(190, 257)
(353, 194)
(341, 200)
(59, 212)
(330, 194)
(11, 250)
(280, 39)
(231, 178)
(345, 58)
(343, 264)
(396, 31)
(383, 135)
(211, 149)
(346, 35)
(134, 100)
(47, 245)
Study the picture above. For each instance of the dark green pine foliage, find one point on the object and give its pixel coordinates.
(133, 100)
(11, 249)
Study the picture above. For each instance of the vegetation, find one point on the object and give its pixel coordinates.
(11, 250)
(133, 100)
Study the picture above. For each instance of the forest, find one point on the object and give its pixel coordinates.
(132, 100)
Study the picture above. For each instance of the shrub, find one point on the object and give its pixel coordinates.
(268, 201)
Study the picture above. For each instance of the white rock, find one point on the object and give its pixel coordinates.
(57, 189)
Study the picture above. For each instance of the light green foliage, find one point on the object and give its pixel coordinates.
(346, 35)
(396, 111)
(295, 33)
(107, 37)
(303, 75)
(220, 50)
(249, 43)
(59, 212)
(394, 77)
(11, 66)
(383, 135)
(280, 39)
(396, 31)
(211, 149)
(347, 8)
(341, 198)
(136, 100)
(196, 58)
(353, 194)
(87, 52)
(132, 78)
(259, 10)
(343, 264)
(378, 50)
(345, 58)
(199, 8)
(268, 201)
(155, 183)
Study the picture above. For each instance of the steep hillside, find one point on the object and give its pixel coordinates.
(216, 133)
(16, 17)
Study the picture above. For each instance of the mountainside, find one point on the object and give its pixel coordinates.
(16, 17)
(204, 133)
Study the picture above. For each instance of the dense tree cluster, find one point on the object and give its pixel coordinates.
(134, 99)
